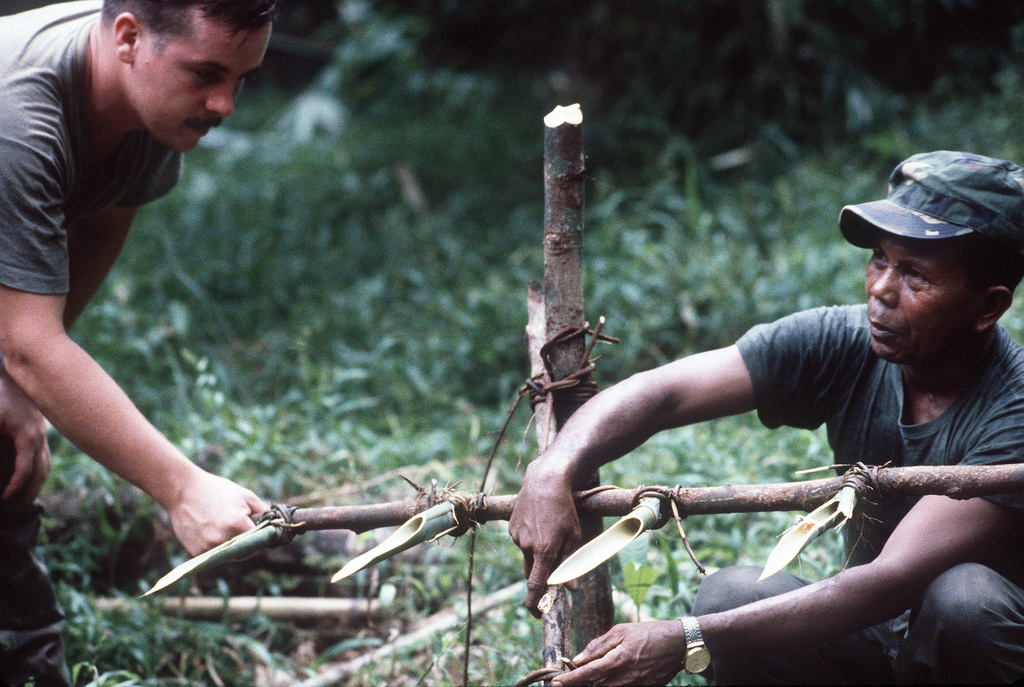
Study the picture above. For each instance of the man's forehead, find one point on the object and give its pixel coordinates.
(200, 25)
(213, 42)
(915, 248)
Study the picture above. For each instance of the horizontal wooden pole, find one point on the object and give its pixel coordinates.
(959, 482)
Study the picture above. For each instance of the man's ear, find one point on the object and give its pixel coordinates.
(995, 301)
(127, 30)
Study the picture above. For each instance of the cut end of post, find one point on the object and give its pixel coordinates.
(564, 114)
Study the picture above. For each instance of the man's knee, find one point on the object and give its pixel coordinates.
(737, 586)
(969, 627)
(965, 604)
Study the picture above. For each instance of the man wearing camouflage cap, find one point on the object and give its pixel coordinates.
(933, 588)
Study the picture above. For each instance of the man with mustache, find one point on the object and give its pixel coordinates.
(933, 590)
(97, 102)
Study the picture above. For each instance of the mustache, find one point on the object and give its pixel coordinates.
(204, 122)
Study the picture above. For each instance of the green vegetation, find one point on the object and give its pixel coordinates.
(334, 298)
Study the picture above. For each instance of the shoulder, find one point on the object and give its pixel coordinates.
(843, 326)
(42, 57)
(1006, 369)
(44, 36)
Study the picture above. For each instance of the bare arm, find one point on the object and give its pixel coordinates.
(937, 534)
(544, 522)
(85, 405)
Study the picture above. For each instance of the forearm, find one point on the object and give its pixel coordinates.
(610, 425)
(88, 408)
(851, 600)
(616, 421)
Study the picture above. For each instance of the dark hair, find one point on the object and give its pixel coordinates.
(168, 17)
(988, 262)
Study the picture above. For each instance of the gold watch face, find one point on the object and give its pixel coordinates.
(697, 659)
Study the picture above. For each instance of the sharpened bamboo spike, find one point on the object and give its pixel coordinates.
(426, 526)
(263, 536)
(836, 511)
(601, 548)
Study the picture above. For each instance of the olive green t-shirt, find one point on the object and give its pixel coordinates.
(49, 176)
(817, 367)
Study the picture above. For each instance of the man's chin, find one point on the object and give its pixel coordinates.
(183, 142)
(184, 148)
(887, 353)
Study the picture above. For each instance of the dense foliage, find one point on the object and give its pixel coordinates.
(334, 296)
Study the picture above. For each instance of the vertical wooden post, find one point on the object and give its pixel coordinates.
(563, 307)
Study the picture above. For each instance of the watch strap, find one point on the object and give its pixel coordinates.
(691, 630)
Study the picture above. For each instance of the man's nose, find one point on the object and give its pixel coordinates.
(221, 102)
(882, 285)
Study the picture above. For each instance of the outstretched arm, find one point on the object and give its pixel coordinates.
(937, 534)
(85, 405)
(544, 522)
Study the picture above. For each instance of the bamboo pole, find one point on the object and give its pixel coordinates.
(295, 609)
(556, 621)
(958, 482)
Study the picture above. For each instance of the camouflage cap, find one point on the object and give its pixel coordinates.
(944, 194)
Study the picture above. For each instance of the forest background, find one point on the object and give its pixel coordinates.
(333, 298)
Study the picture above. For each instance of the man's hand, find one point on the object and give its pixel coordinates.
(24, 453)
(649, 653)
(544, 524)
(211, 510)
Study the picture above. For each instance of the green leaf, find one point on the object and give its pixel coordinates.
(638, 580)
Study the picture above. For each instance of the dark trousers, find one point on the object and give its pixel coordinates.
(30, 618)
(968, 628)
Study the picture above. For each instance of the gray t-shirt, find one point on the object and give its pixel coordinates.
(818, 367)
(49, 175)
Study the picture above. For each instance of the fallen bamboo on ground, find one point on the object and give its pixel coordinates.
(424, 631)
(291, 608)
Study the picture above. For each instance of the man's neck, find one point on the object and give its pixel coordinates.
(929, 389)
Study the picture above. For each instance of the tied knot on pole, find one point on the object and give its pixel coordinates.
(577, 386)
(282, 517)
(862, 478)
(676, 501)
(464, 508)
(664, 496)
(464, 505)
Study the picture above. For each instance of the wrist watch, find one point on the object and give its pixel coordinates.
(697, 656)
